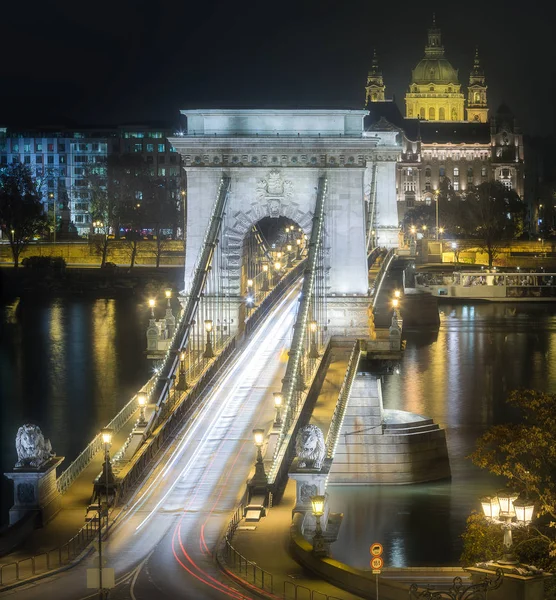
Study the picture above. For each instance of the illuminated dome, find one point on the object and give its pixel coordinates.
(434, 70)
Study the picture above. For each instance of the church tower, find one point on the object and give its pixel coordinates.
(375, 88)
(435, 91)
(477, 109)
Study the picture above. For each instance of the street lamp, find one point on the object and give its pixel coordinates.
(395, 305)
(168, 294)
(298, 242)
(260, 478)
(142, 402)
(182, 382)
(502, 509)
(265, 287)
(278, 407)
(313, 350)
(397, 294)
(441, 230)
(51, 197)
(208, 353)
(319, 545)
(152, 304)
(277, 267)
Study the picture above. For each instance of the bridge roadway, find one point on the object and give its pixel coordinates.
(162, 545)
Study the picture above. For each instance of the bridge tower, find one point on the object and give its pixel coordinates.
(274, 159)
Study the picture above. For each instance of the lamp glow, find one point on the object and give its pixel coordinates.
(106, 436)
(277, 399)
(258, 437)
(317, 503)
(168, 293)
(208, 325)
(524, 511)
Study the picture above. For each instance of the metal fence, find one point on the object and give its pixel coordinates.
(26, 568)
(343, 396)
(69, 475)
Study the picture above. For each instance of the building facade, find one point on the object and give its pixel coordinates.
(60, 160)
(443, 134)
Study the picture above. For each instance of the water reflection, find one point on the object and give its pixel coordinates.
(68, 365)
(461, 378)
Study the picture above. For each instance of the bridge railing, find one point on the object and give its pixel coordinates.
(377, 285)
(298, 363)
(69, 475)
(343, 397)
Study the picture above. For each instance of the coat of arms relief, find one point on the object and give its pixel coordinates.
(274, 190)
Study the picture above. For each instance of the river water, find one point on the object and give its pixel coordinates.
(460, 377)
(69, 364)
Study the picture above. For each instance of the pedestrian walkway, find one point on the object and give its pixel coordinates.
(56, 534)
(266, 544)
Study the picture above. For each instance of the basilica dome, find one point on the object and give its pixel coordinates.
(434, 70)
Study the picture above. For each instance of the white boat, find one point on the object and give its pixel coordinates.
(489, 285)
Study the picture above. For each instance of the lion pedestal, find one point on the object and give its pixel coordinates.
(35, 490)
(309, 482)
(34, 476)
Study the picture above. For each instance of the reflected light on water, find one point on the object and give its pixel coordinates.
(461, 377)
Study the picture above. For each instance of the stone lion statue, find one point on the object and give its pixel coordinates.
(33, 450)
(310, 448)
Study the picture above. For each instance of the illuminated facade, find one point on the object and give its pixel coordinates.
(438, 141)
(59, 159)
(435, 91)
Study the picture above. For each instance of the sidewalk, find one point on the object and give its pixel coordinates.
(65, 525)
(266, 544)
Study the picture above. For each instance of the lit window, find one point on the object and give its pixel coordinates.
(162, 147)
(162, 171)
(483, 172)
(27, 148)
(138, 195)
(15, 147)
(456, 171)
(38, 147)
(62, 159)
(50, 147)
(456, 185)
(150, 147)
(137, 147)
(427, 186)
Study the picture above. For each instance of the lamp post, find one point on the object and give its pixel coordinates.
(319, 545)
(152, 304)
(51, 197)
(288, 255)
(313, 350)
(278, 407)
(502, 509)
(277, 267)
(441, 231)
(168, 294)
(437, 194)
(298, 243)
(265, 287)
(208, 353)
(182, 381)
(259, 479)
(142, 402)
(424, 230)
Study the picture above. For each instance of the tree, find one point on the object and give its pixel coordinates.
(128, 186)
(161, 213)
(21, 210)
(423, 214)
(101, 205)
(494, 215)
(525, 455)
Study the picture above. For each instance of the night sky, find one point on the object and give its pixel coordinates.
(129, 61)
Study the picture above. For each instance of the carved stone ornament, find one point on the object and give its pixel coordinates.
(310, 447)
(274, 190)
(307, 491)
(26, 493)
(33, 450)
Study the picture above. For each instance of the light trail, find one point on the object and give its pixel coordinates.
(250, 354)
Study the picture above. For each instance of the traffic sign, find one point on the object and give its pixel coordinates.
(377, 563)
(376, 549)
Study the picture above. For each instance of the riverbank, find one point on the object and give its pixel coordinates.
(93, 282)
